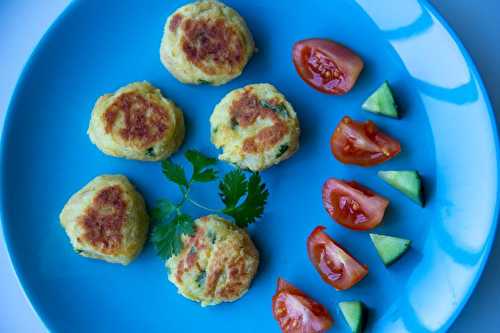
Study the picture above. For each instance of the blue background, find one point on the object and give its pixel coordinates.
(476, 27)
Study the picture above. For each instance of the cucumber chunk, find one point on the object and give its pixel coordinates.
(354, 315)
(407, 182)
(390, 248)
(382, 102)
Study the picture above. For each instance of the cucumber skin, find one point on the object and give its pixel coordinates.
(381, 101)
(378, 239)
(347, 308)
(393, 178)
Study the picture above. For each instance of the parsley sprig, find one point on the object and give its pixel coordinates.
(244, 200)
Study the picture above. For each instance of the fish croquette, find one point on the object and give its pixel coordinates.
(255, 126)
(206, 42)
(106, 220)
(217, 264)
(136, 122)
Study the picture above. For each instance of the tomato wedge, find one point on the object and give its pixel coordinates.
(355, 142)
(298, 313)
(353, 205)
(326, 66)
(335, 265)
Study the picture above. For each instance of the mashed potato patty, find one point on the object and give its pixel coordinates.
(216, 265)
(206, 42)
(138, 123)
(255, 126)
(106, 220)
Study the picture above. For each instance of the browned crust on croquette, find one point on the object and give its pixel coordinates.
(145, 122)
(175, 22)
(190, 258)
(231, 269)
(246, 110)
(103, 220)
(230, 265)
(208, 41)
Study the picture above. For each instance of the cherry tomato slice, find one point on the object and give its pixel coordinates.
(355, 142)
(326, 66)
(353, 205)
(298, 313)
(335, 265)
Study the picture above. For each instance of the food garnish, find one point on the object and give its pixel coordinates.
(407, 182)
(354, 314)
(353, 205)
(326, 66)
(362, 143)
(335, 265)
(297, 312)
(382, 102)
(243, 197)
(390, 248)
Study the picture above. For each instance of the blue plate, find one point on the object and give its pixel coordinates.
(447, 132)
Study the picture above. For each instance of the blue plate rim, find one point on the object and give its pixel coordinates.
(22, 77)
(493, 229)
(426, 4)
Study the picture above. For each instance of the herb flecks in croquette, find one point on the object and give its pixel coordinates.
(200, 280)
(212, 236)
(246, 110)
(201, 81)
(283, 149)
(244, 200)
(234, 123)
(278, 108)
(150, 152)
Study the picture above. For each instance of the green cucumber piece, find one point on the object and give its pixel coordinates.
(382, 102)
(407, 182)
(390, 248)
(354, 315)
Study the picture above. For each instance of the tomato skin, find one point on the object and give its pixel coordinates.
(335, 265)
(298, 313)
(355, 142)
(326, 66)
(353, 205)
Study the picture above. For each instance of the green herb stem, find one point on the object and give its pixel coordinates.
(197, 204)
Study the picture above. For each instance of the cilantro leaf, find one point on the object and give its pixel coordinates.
(174, 172)
(162, 210)
(200, 162)
(252, 207)
(205, 176)
(233, 187)
(167, 238)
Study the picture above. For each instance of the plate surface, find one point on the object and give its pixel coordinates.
(446, 131)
